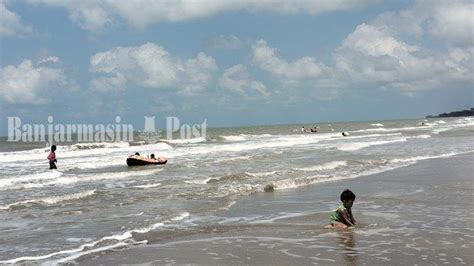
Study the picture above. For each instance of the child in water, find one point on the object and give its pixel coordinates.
(342, 216)
(52, 158)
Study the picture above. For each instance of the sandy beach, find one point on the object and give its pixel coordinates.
(420, 214)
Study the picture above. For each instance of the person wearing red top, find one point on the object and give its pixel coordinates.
(52, 158)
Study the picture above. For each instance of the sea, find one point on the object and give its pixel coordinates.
(94, 203)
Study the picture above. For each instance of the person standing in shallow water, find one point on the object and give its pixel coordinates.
(52, 158)
(342, 216)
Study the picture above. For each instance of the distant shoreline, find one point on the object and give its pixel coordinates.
(454, 114)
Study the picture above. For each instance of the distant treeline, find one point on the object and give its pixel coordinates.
(454, 114)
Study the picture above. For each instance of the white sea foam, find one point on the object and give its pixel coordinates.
(61, 180)
(118, 240)
(377, 125)
(39, 177)
(360, 145)
(421, 137)
(148, 185)
(421, 158)
(326, 166)
(261, 174)
(51, 200)
(298, 182)
(180, 216)
(234, 138)
(199, 181)
(392, 164)
(234, 158)
(95, 145)
(185, 141)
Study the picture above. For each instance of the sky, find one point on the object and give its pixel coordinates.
(234, 63)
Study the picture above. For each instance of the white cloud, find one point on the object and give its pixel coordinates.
(371, 54)
(11, 24)
(303, 75)
(97, 15)
(460, 62)
(237, 79)
(376, 41)
(453, 22)
(267, 59)
(225, 42)
(150, 66)
(93, 16)
(198, 73)
(28, 84)
(49, 59)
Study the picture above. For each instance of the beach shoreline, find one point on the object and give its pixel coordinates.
(415, 214)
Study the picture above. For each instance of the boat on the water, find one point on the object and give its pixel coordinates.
(135, 160)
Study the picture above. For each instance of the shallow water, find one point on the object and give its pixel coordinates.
(94, 202)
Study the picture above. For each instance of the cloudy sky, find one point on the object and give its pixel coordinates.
(234, 62)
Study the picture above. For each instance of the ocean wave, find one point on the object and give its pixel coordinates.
(326, 166)
(421, 158)
(184, 141)
(261, 174)
(107, 242)
(148, 185)
(229, 178)
(198, 181)
(40, 177)
(421, 137)
(234, 138)
(234, 158)
(382, 166)
(360, 145)
(437, 122)
(305, 181)
(50, 200)
(61, 180)
(95, 145)
(377, 125)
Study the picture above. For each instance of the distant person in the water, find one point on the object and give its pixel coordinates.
(314, 130)
(345, 134)
(303, 130)
(342, 216)
(52, 158)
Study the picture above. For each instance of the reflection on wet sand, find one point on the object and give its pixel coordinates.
(348, 245)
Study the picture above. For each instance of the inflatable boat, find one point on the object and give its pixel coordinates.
(139, 160)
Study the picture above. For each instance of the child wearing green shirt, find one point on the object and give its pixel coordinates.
(342, 216)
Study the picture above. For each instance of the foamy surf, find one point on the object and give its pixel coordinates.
(50, 200)
(185, 141)
(95, 145)
(198, 181)
(62, 180)
(234, 138)
(7, 183)
(361, 145)
(261, 174)
(148, 185)
(326, 166)
(118, 240)
(422, 158)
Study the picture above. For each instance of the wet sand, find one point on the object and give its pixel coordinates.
(420, 214)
